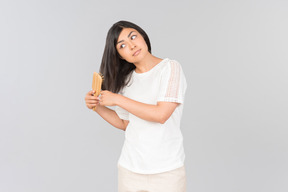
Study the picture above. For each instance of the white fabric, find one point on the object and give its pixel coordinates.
(151, 147)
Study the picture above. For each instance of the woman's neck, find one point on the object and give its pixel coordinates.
(147, 63)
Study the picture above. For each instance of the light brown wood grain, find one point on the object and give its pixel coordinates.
(96, 84)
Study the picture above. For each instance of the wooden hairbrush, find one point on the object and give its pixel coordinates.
(97, 84)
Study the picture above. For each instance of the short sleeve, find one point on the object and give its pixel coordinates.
(172, 83)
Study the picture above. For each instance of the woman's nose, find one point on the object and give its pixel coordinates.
(132, 46)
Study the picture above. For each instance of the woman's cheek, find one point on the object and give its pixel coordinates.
(123, 54)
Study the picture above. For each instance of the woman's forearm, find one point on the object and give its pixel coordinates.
(111, 117)
(155, 113)
(159, 113)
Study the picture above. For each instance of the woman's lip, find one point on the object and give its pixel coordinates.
(137, 52)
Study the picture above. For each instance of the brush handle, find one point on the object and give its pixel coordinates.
(96, 85)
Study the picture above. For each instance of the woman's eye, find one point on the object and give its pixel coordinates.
(133, 37)
(122, 46)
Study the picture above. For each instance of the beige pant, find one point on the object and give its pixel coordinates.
(170, 181)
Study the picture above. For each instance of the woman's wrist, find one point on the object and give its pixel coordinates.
(118, 99)
(98, 108)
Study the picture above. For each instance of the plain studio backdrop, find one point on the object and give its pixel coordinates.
(234, 56)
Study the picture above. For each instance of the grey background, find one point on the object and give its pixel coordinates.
(234, 54)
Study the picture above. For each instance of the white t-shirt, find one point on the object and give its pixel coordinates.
(151, 147)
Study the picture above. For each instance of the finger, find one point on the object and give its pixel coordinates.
(91, 98)
(91, 93)
(92, 102)
(103, 92)
(89, 106)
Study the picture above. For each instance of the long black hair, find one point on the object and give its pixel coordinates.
(116, 71)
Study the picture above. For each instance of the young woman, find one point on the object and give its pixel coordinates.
(148, 95)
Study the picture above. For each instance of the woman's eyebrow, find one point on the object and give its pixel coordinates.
(130, 34)
(128, 37)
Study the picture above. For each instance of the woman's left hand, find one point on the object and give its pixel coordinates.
(108, 98)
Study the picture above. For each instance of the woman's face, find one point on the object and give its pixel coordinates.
(131, 46)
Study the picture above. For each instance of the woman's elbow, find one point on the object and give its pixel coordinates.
(124, 125)
(165, 111)
(163, 119)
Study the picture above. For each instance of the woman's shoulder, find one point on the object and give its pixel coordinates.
(168, 63)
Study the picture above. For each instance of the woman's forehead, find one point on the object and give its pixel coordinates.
(126, 32)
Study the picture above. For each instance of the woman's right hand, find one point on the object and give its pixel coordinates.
(91, 100)
(107, 114)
